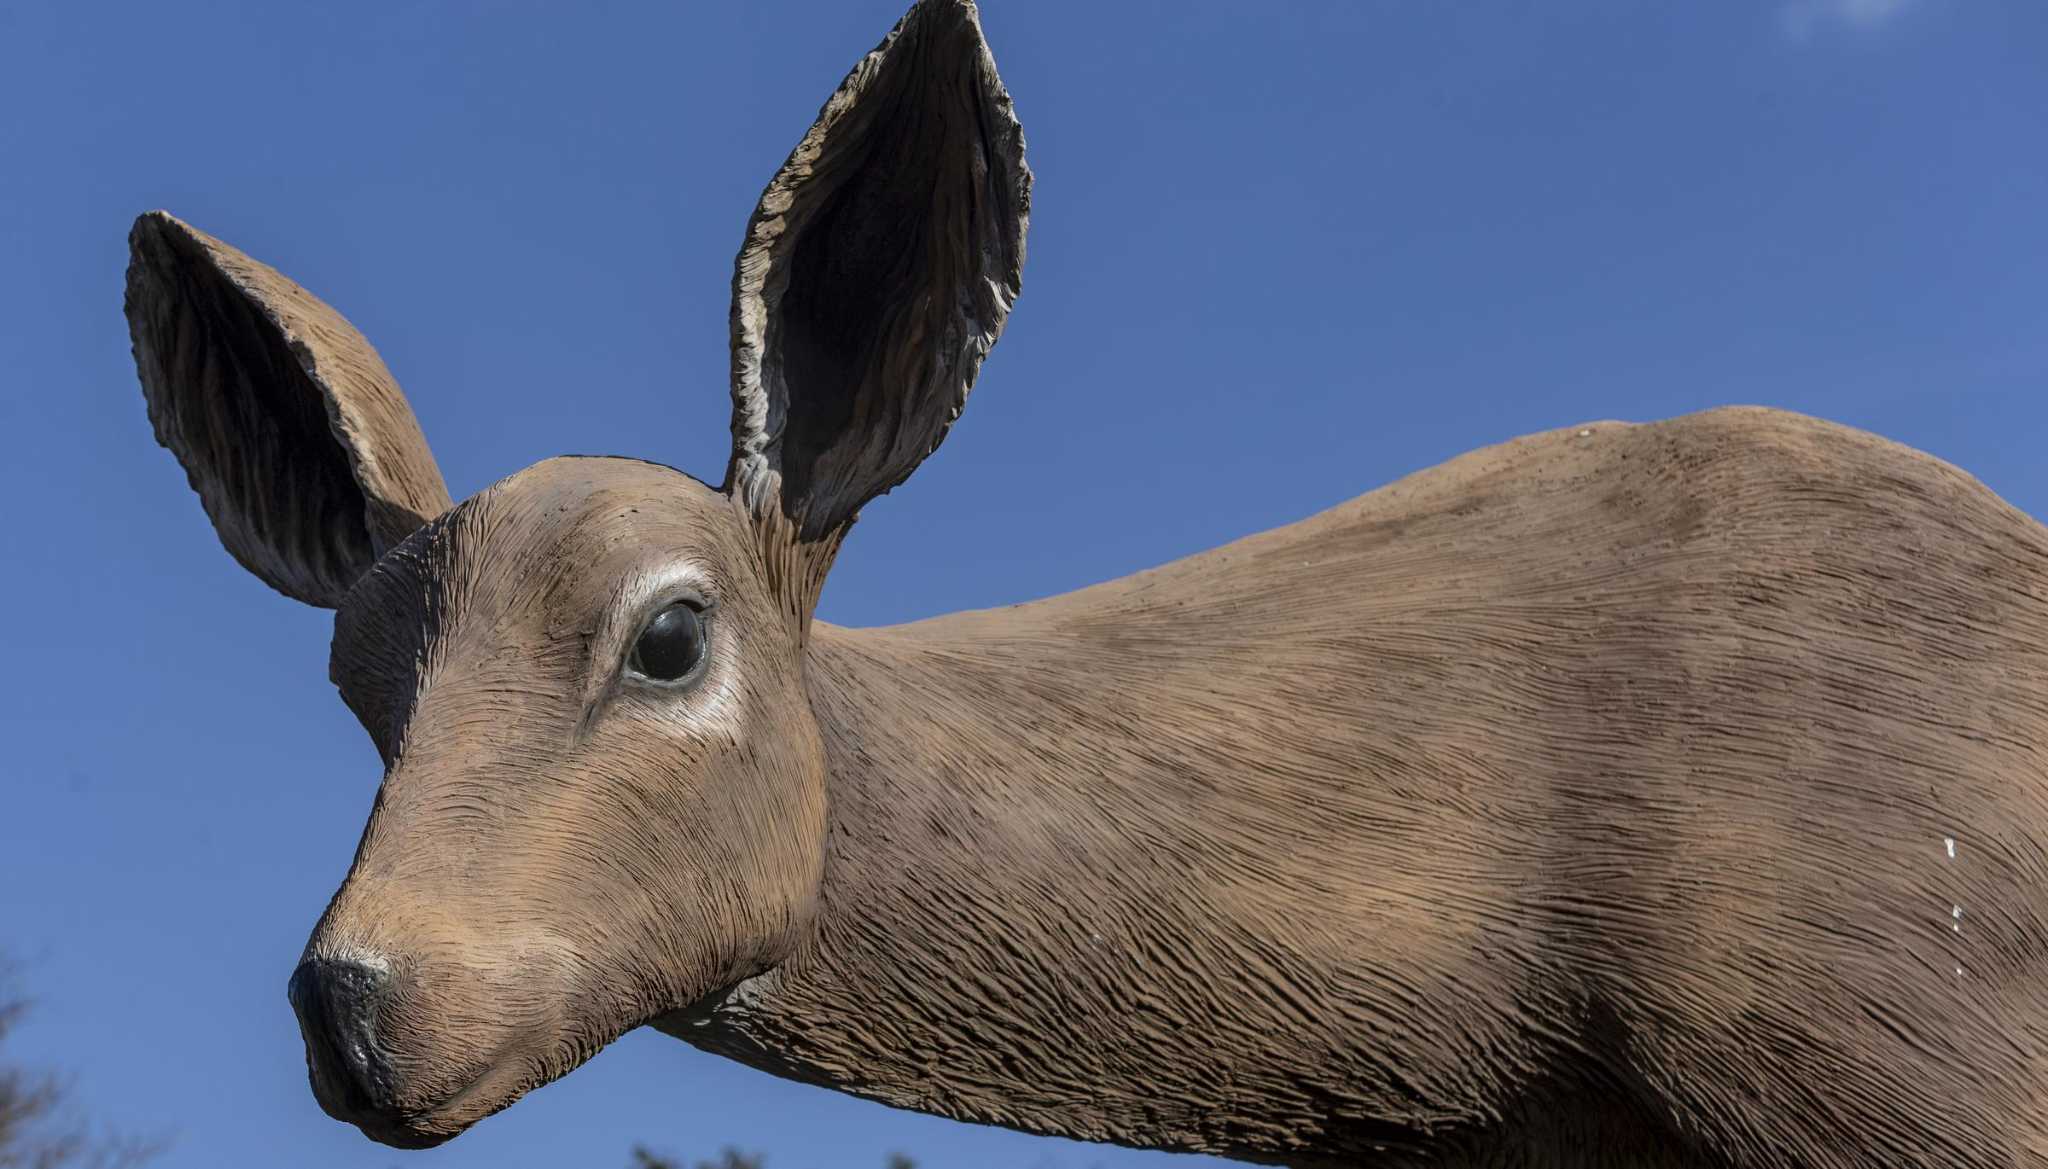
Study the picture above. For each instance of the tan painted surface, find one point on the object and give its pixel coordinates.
(1669, 795)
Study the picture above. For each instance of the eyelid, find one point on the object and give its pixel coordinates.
(668, 598)
(640, 596)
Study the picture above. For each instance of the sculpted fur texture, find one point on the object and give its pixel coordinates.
(1667, 795)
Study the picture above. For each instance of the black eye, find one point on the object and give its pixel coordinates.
(672, 646)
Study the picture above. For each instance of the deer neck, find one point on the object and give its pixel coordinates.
(1031, 917)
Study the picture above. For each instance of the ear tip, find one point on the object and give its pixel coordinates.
(952, 28)
(960, 18)
(156, 223)
(157, 230)
(148, 239)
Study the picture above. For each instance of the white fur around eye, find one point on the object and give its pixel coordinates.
(707, 707)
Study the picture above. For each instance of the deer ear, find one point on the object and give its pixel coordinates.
(876, 275)
(301, 446)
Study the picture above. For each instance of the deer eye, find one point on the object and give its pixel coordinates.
(671, 647)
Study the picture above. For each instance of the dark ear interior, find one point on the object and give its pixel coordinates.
(878, 271)
(298, 441)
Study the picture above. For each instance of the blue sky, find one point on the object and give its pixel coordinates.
(1281, 255)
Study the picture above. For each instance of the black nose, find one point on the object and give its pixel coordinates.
(338, 1003)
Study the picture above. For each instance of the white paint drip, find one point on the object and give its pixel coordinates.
(1955, 912)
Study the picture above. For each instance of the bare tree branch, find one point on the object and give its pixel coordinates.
(37, 1130)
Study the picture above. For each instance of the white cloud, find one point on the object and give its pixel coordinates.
(1801, 19)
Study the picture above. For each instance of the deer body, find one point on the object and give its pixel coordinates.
(1543, 808)
(1660, 796)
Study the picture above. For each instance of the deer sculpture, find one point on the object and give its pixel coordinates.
(1665, 795)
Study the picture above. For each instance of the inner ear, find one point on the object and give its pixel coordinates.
(256, 409)
(829, 333)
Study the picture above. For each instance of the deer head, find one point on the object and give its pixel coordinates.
(602, 796)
